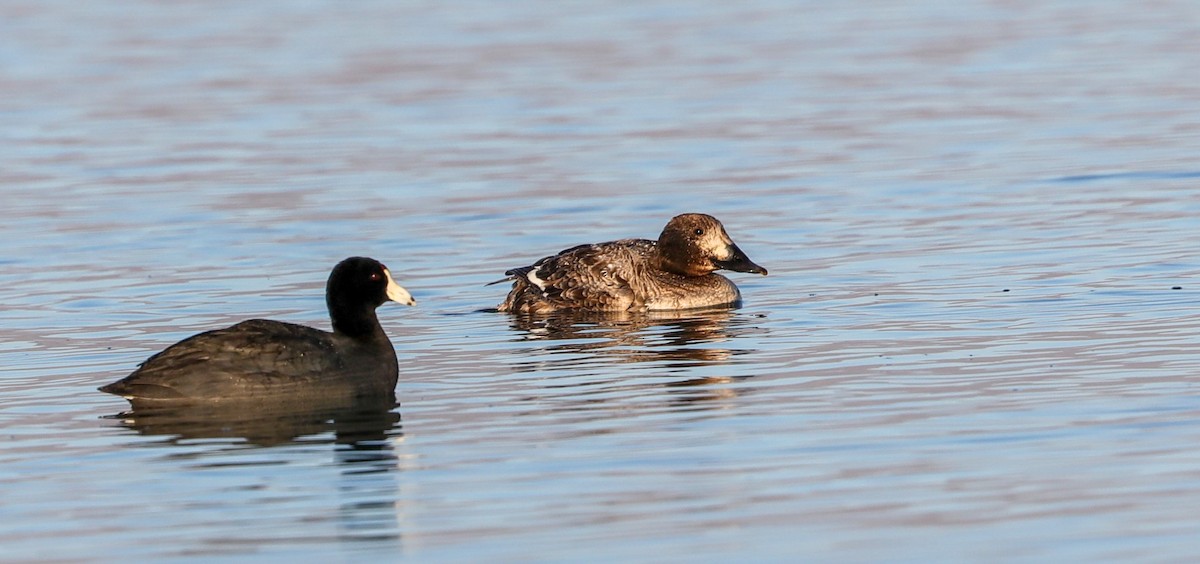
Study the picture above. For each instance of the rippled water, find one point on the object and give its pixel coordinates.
(978, 339)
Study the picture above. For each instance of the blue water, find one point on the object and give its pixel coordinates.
(977, 341)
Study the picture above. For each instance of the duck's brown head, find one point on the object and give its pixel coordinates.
(695, 244)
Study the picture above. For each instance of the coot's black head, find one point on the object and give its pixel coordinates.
(356, 287)
(695, 244)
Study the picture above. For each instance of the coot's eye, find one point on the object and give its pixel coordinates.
(699, 231)
(376, 276)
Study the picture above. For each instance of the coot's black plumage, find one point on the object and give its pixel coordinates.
(264, 359)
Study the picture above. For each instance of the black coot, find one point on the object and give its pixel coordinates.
(268, 360)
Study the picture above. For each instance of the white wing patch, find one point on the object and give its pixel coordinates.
(533, 277)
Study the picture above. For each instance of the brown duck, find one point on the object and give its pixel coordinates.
(675, 272)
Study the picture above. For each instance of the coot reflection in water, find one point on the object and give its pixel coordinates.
(360, 423)
(227, 438)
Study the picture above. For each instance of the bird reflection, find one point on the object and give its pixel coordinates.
(364, 435)
(267, 422)
(644, 345)
(671, 336)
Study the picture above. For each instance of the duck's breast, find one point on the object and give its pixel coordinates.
(670, 292)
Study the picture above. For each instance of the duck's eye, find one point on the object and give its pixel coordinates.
(699, 231)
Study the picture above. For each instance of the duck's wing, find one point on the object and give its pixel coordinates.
(252, 357)
(588, 277)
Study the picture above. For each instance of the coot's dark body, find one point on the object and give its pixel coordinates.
(261, 359)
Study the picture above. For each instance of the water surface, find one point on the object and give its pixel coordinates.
(977, 341)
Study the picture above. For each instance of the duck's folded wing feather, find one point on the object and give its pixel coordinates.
(594, 275)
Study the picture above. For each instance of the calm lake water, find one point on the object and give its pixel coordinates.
(979, 339)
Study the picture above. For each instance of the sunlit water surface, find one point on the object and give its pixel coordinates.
(978, 340)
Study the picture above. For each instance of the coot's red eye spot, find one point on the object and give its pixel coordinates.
(375, 277)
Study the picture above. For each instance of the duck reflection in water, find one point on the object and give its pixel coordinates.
(669, 336)
(647, 344)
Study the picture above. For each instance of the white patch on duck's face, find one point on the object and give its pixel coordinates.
(717, 244)
(396, 293)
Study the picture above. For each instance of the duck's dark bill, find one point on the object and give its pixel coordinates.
(739, 262)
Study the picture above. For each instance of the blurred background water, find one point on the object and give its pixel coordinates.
(977, 341)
